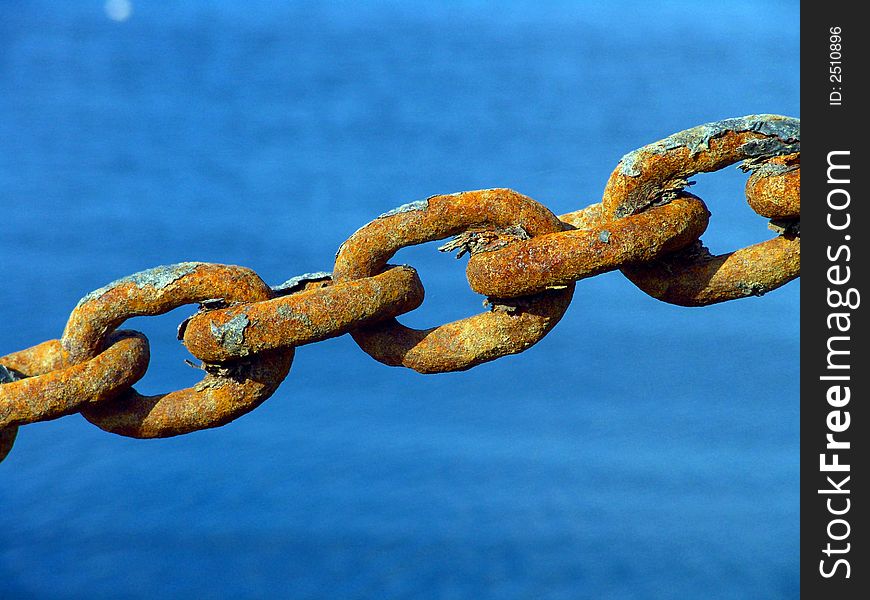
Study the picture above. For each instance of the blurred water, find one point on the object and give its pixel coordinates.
(641, 450)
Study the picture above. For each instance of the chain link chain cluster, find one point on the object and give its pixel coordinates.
(524, 258)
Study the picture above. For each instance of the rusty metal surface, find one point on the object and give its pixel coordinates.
(654, 172)
(705, 279)
(35, 360)
(154, 292)
(41, 396)
(523, 258)
(223, 395)
(555, 260)
(774, 191)
(769, 145)
(7, 434)
(321, 311)
(585, 218)
(506, 329)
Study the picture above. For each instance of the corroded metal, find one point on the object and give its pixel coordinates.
(43, 395)
(153, 292)
(223, 395)
(654, 172)
(557, 259)
(769, 145)
(322, 311)
(36, 360)
(524, 258)
(507, 329)
(774, 189)
(585, 218)
(706, 279)
(7, 434)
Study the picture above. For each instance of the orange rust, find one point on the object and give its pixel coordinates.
(367, 251)
(557, 259)
(7, 434)
(218, 399)
(154, 292)
(323, 311)
(624, 192)
(704, 279)
(697, 278)
(662, 170)
(35, 360)
(460, 345)
(585, 218)
(776, 196)
(222, 396)
(42, 396)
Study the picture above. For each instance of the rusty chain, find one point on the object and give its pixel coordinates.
(524, 258)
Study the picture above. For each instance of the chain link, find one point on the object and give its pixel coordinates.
(508, 328)
(524, 258)
(657, 172)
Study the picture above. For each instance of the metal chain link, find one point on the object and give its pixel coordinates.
(524, 258)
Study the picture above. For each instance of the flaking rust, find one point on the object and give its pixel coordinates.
(558, 259)
(484, 240)
(231, 335)
(644, 175)
(409, 207)
(157, 278)
(299, 282)
(769, 145)
(305, 316)
(366, 252)
(462, 344)
(153, 292)
(158, 291)
(781, 135)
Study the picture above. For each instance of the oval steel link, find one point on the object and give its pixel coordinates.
(44, 394)
(507, 329)
(323, 311)
(656, 172)
(224, 394)
(557, 259)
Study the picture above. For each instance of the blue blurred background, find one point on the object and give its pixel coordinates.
(641, 450)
